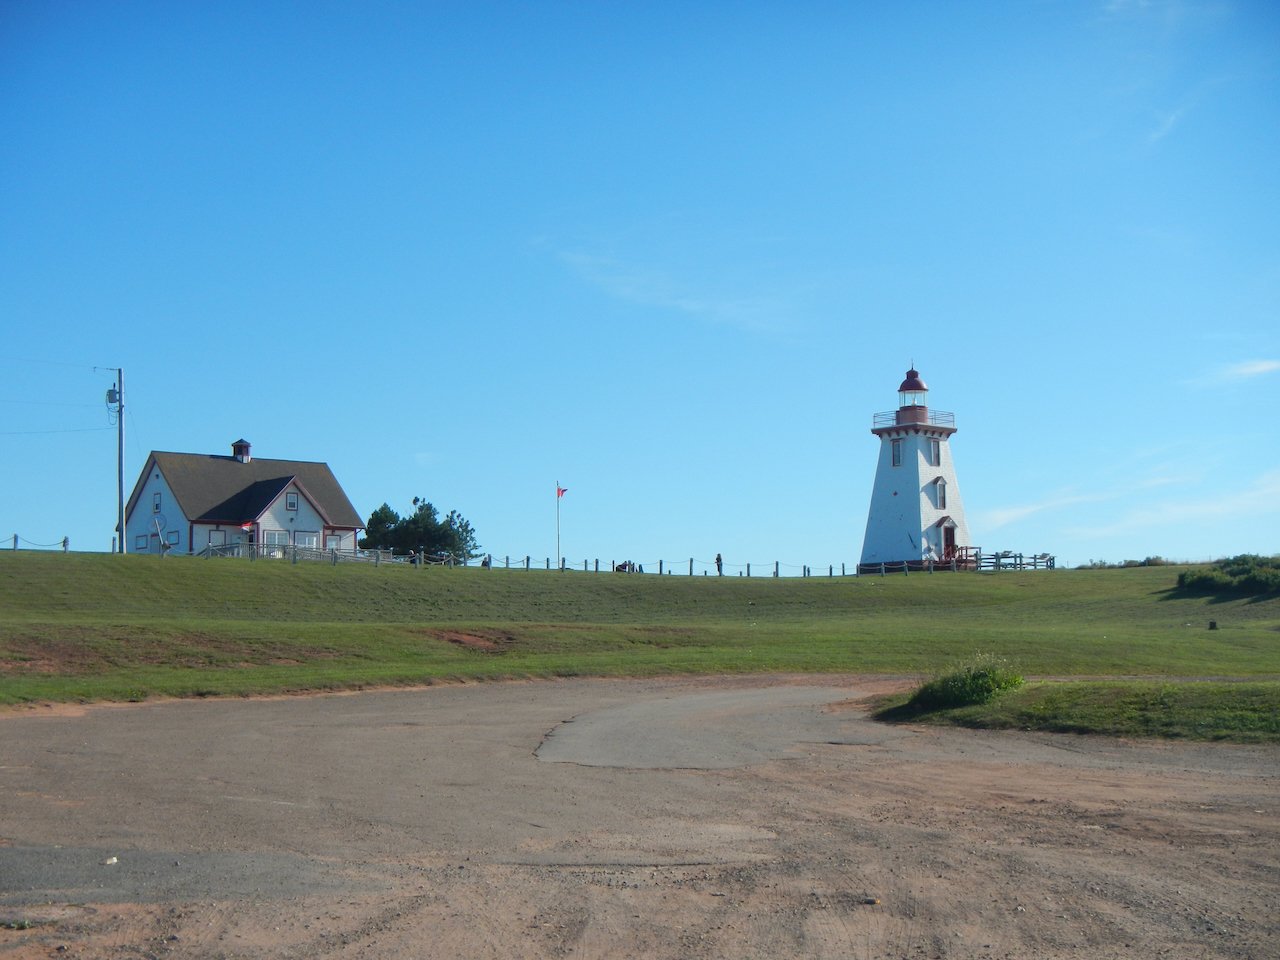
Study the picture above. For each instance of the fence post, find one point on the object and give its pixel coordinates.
(691, 566)
(748, 570)
(66, 544)
(597, 564)
(15, 541)
(659, 568)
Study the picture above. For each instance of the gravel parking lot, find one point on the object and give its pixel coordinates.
(743, 817)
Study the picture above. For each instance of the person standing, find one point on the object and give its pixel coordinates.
(719, 566)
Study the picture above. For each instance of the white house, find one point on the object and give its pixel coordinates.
(916, 513)
(186, 502)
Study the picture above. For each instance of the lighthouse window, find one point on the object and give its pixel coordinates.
(941, 486)
(897, 452)
(935, 453)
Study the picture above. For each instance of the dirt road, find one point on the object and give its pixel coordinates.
(755, 817)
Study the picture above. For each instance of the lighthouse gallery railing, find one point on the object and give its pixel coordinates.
(938, 418)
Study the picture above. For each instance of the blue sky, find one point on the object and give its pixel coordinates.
(673, 256)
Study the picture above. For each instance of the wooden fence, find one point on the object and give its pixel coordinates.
(971, 559)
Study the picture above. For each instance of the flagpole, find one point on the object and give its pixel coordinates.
(557, 524)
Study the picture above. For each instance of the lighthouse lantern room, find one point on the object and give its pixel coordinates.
(916, 514)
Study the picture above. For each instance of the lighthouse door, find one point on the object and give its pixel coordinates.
(948, 542)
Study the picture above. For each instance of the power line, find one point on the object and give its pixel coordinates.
(49, 403)
(57, 363)
(38, 433)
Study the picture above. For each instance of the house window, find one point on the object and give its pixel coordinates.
(897, 452)
(140, 542)
(333, 541)
(935, 453)
(307, 539)
(171, 538)
(942, 493)
(155, 502)
(275, 538)
(291, 501)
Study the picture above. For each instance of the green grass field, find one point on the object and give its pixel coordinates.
(104, 627)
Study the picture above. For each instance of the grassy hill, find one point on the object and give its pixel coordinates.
(95, 626)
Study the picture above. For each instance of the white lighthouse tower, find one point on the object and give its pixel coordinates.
(916, 513)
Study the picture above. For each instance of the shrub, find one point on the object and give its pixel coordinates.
(1244, 575)
(978, 680)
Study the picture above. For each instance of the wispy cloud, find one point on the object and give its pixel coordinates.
(1003, 516)
(1165, 124)
(655, 288)
(1236, 373)
(1168, 120)
(1260, 498)
(1117, 7)
(1169, 13)
(1251, 368)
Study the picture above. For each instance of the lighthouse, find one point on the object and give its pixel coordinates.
(916, 513)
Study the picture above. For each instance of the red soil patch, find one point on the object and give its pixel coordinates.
(487, 641)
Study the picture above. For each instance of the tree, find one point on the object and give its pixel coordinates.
(422, 530)
(378, 530)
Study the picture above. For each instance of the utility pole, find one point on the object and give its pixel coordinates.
(116, 396)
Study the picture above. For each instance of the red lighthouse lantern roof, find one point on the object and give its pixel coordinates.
(913, 383)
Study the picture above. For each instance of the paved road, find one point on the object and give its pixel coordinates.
(235, 798)
(708, 730)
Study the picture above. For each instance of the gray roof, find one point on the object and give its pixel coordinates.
(220, 489)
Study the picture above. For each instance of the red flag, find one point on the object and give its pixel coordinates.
(561, 491)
